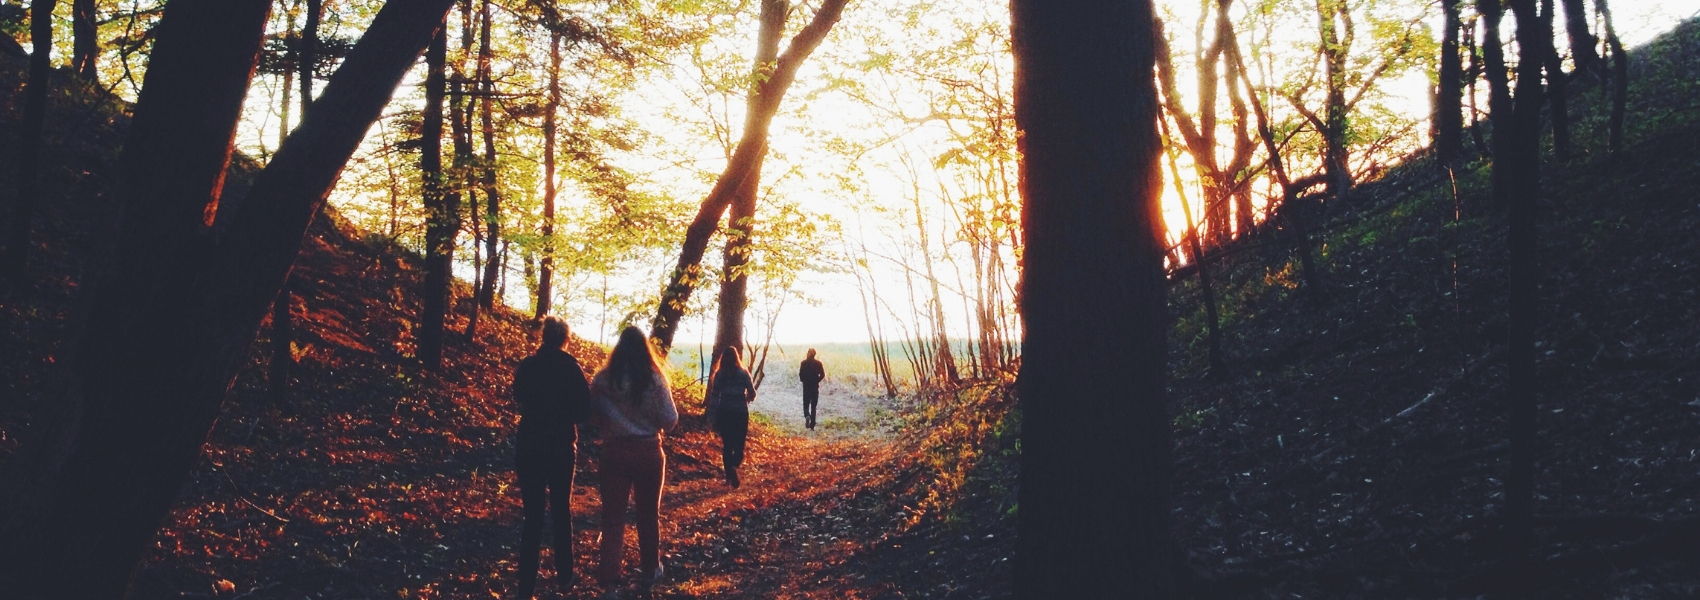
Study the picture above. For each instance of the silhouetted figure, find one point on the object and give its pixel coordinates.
(631, 406)
(553, 398)
(729, 394)
(812, 372)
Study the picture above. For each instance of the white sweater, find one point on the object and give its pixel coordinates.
(617, 414)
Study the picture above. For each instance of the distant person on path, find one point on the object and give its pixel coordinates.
(812, 372)
(553, 398)
(729, 394)
(631, 406)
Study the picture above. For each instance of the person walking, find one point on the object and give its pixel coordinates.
(631, 405)
(811, 373)
(553, 398)
(730, 393)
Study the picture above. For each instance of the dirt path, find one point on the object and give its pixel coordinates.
(842, 411)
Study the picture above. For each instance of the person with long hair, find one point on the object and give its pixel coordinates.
(631, 406)
(553, 398)
(730, 392)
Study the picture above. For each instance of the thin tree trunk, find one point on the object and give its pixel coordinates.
(85, 40)
(1095, 459)
(442, 216)
(1335, 20)
(744, 167)
(492, 194)
(34, 125)
(309, 61)
(173, 313)
(1619, 80)
(546, 265)
(1207, 291)
(1558, 85)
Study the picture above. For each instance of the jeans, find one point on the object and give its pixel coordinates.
(733, 425)
(632, 468)
(545, 485)
(811, 401)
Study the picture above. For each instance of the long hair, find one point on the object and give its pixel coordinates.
(729, 362)
(632, 366)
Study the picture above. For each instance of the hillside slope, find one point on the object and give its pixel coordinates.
(1356, 444)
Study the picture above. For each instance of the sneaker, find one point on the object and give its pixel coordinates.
(653, 577)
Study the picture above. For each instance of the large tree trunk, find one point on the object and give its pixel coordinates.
(743, 170)
(1516, 187)
(85, 40)
(34, 124)
(1095, 462)
(546, 264)
(1449, 101)
(442, 215)
(171, 318)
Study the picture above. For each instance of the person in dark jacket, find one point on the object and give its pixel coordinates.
(553, 397)
(730, 392)
(812, 372)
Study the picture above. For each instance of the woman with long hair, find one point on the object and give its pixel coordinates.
(632, 405)
(730, 392)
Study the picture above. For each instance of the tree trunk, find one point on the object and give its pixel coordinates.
(1582, 41)
(85, 40)
(1619, 79)
(546, 264)
(32, 128)
(1516, 186)
(1449, 102)
(309, 55)
(1206, 289)
(170, 319)
(745, 164)
(283, 355)
(1095, 462)
(442, 215)
(1558, 85)
(492, 195)
(1335, 20)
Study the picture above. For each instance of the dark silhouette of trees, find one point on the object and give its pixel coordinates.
(442, 210)
(1095, 462)
(738, 182)
(1619, 79)
(28, 164)
(170, 317)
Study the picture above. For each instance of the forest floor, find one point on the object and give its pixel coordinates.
(1354, 447)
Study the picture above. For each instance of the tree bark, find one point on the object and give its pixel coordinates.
(1558, 86)
(1583, 44)
(85, 40)
(1449, 101)
(492, 194)
(546, 264)
(1619, 79)
(1095, 462)
(442, 220)
(31, 130)
(171, 318)
(1335, 25)
(744, 168)
(309, 54)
